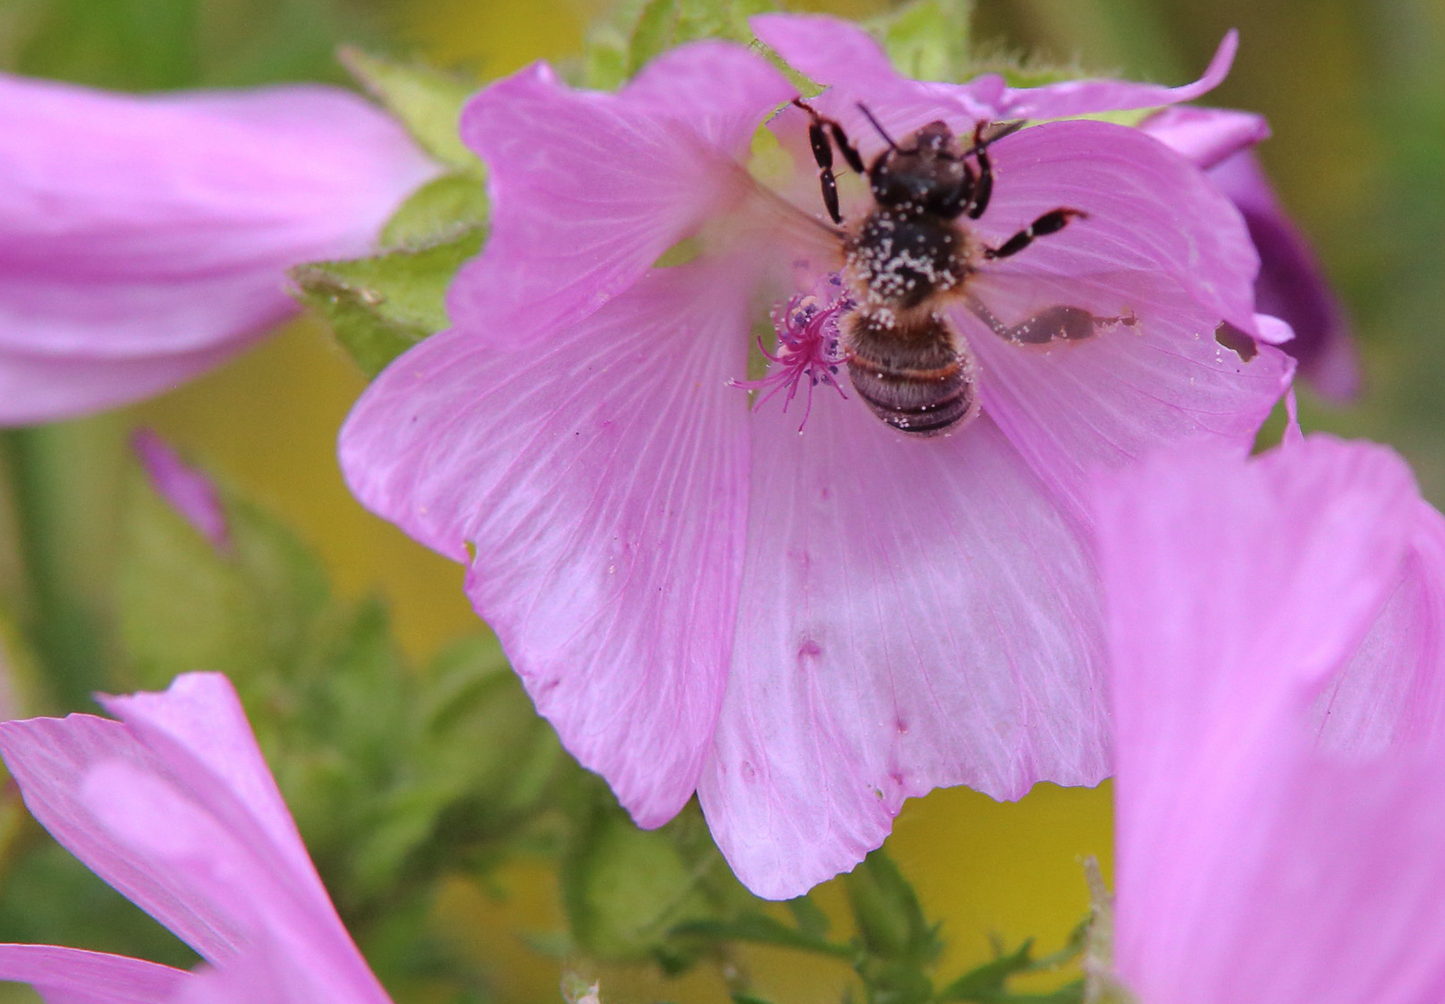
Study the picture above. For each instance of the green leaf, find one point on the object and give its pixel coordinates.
(808, 915)
(890, 919)
(928, 39)
(379, 307)
(427, 101)
(990, 981)
(761, 929)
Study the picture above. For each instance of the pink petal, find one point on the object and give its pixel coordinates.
(1393, 690)
(43, 387)
(1090, 97)
(1292, 283)
(589, 189)
(601, 479)
(1246, 859)
(167, 232)
(851, 63)
(189, 492)
(286, 927)
(848, 60)
(199, 730)
(913, 614)
(1159, 247)
(48, 757)
(71, 976)
(175, 808)
(1206, 136)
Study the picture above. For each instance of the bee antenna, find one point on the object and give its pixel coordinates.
(877, 125)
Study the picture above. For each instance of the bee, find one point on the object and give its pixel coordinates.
(910, 256)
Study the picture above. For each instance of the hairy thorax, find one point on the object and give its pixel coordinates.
(899, 259)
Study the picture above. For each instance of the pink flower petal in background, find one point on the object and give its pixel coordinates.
(1262, 856)
(144, 239)
(174, 807)
(808, 628)
(830, 51)
(72, 976)
(188, 491)
(1291, 283)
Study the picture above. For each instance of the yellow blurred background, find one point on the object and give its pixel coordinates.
(1354, 90)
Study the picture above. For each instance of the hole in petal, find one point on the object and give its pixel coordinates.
(1236, 341)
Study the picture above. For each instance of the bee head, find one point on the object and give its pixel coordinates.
(926, 173)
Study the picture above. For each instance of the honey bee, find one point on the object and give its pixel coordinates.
(910, 256)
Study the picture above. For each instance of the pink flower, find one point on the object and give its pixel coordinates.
(144, 239)
(1291, 283)
(1278, 678)
(804, 626)
(174, 807)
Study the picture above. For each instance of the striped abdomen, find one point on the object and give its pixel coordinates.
(914, 372)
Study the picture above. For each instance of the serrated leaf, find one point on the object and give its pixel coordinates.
(928, 39)
(990, 980)
(381, 306)
(426, 100)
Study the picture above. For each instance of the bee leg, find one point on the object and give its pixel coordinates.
(982, 190)
(1060, 322)
(822, 135)
(1050, 223)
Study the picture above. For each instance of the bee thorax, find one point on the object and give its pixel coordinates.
(904, 259)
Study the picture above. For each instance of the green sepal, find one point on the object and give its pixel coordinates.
(624, 888)
(426, 100)
(662, 24)
(928, 39)
(437, 212)
(633, 894)
(890, 919)
(381, 306)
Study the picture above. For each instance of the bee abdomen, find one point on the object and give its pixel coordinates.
(917, 378)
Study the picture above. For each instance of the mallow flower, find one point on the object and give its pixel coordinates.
(174, 806)
(146, 238)
(1278, 682)
(1291, 283)
(804, 625)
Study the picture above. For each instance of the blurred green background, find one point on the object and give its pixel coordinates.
(1354, 89)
